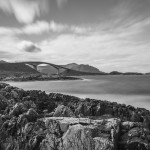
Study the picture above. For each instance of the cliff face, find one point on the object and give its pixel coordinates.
(34, 120)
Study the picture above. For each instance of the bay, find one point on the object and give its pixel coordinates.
(125, 89)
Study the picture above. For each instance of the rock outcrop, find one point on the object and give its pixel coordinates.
(80, 134)
(34, 120)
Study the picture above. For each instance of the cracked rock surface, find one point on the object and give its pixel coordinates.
(34, 120)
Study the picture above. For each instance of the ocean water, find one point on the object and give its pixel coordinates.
(131, 90)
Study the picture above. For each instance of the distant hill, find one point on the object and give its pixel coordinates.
(82, 68)
(2, 61)
(9, 69)
(147, 73)
(79, 73)
(126, 73)
(75, 70)
(71, 65)
(47, 69)
(132, 73)
(115, 73)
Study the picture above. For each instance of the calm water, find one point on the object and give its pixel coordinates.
(133, 90)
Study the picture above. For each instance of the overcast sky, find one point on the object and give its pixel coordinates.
(108, 34)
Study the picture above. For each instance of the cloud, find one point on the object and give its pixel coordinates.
(25, 11)
(107, 51)
(40, 27)
(57, 27)
(61, 3)
(29, 47)
(80, 30)
(36, 28)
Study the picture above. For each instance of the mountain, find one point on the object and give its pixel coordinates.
(115, 73)
(75, 69)
(79, 73)
(82, 68)
(71, 65)
(2, 61)
(9, 69)
(47, 69)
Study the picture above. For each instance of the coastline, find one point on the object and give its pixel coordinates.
(32, 79)
(58, 118)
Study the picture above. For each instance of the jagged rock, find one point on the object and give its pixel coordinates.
(3, 103)
(1, 121)
(134, 136)
(63, 111)
(32, 115)
(18, 109)
(8, 88)
(127, 125)
(134, 117)
(83, 109)
(27, 98)
(29, 104)
(26, 122)
(80, 134)
(135, 144)
(14, 94)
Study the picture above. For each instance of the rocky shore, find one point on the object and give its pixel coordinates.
(34, 120)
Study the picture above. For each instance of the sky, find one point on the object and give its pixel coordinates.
(112, 35)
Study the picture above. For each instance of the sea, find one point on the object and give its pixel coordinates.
(124, 89)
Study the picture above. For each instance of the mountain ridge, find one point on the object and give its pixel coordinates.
(82, 68)
(74, 70)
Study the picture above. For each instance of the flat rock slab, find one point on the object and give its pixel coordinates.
(81, 133)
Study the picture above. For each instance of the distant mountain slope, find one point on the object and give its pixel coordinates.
(79, 73)
(70, 66)
(115, 73)
(82, 68)
(47, 69)
(2, 61)
(15, 68)
(75, 69)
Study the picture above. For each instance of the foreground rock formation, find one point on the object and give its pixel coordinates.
(34, 120)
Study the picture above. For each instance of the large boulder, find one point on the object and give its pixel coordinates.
(134, 136)
(63, 111)
(18, 109)
(65, 133)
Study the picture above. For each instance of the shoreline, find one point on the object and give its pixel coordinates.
(71, 96)
(33, 79)
(32, 119)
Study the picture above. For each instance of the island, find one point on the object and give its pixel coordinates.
(34, 120)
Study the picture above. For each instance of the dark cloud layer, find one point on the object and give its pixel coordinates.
(32, 49)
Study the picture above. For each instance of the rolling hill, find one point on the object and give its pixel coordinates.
(18, 69)
(9, 69)
(75, 70)
(82, 68)
(2, 61)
